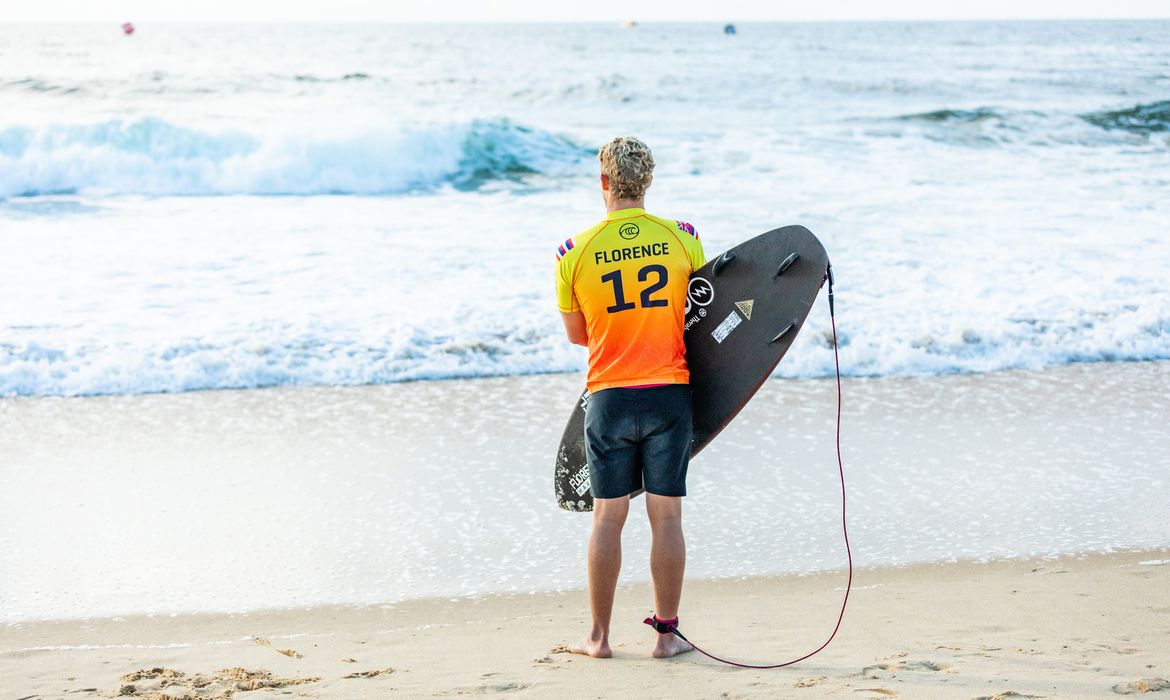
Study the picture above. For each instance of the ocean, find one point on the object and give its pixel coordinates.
(291, 209)
(207, 207)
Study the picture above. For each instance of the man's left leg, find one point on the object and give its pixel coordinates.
(666, 450)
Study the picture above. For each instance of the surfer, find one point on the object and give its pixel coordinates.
(622, 292)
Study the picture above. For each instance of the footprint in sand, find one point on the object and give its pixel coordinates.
(891, 667)
(1007, 695)
(487, 689)
(290, 653)
(1145, 685)
(1126, 651)
(166, 675)
(166, 682)
(370, 674)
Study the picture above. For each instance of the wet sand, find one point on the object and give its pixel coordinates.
(412, 527)
(300, 497)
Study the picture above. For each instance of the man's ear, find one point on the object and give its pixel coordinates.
(605, 182)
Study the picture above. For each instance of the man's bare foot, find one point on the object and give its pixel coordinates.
(598, 648)
(669, 645)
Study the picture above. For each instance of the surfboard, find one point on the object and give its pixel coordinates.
(744, 309)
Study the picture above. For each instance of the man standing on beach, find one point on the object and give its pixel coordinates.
(622, 292)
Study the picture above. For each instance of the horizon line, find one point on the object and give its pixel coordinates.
(619, 22)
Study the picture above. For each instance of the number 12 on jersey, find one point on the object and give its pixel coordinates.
(619, 295)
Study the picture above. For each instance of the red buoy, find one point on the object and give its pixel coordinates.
(128, 27)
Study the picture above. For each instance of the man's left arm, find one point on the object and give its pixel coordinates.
(698, 256)
(692, 245)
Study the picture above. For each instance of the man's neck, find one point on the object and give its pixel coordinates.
(619, 204)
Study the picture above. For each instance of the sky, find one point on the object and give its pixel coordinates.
(565, 10)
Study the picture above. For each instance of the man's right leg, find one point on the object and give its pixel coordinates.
(605, 563)
(668, 558)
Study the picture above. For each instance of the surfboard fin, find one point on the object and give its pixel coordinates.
(787, 329)
(787, 263)
(722, 262)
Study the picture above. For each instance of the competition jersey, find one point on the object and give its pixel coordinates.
(628, 275)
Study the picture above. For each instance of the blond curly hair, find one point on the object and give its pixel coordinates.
(629, 165)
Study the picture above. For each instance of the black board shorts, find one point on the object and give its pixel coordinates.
(639, 438)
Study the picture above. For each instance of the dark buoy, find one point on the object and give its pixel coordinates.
(729, 29)
(127, 28)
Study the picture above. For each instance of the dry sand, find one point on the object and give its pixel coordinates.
(1082, 627)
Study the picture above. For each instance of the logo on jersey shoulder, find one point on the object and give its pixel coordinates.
(700, 292)
(564, 248)
(629, 231)
(686, 228)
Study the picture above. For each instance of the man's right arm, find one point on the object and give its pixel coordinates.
(575, 328)
(571, 314)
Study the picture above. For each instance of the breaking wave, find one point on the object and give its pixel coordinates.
(152, 156)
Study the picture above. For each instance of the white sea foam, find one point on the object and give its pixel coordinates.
(371, 291)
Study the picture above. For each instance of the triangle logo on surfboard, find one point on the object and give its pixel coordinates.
(746, 307)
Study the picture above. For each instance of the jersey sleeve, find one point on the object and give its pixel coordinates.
(566, 298)
(692, 244)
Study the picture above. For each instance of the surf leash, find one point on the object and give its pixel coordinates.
(665, 626)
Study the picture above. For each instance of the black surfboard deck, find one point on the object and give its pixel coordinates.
(744, 313)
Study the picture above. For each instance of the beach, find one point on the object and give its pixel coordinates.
(282, 378)
(1069, 627)
(1009, 526)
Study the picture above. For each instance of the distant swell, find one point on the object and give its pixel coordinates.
(1140, 119)
(152, 156)
(991, 126)
(953, 116)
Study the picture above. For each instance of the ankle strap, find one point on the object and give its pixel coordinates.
(662, 626)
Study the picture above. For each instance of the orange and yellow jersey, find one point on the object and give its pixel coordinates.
(628, 275)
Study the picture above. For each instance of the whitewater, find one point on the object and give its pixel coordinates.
(205, 207)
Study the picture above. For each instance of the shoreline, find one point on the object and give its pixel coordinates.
(554, 375)
(1146, 557)
(1069, 627)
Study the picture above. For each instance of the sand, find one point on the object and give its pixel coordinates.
(1082, 627)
